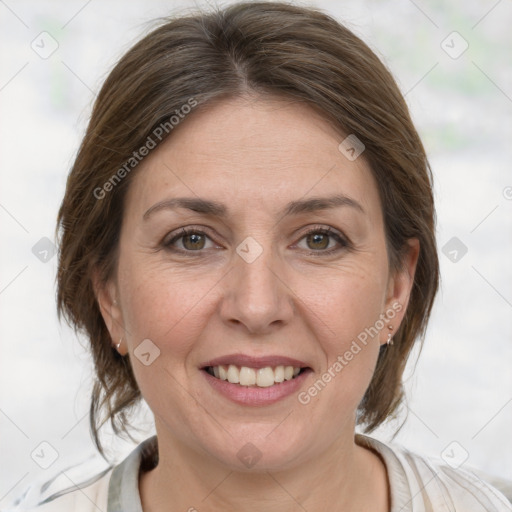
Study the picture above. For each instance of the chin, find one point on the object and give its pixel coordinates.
(258, 450)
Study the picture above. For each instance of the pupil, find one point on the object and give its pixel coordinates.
(194, 239)
(319, 238)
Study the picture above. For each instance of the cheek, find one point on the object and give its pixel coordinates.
(164, 304)
(345, 299)
(169, 308)
(347, 310)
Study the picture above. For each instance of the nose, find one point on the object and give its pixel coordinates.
(257, 297)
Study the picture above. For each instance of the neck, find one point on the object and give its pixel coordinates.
(349, 475)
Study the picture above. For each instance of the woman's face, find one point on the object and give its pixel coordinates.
(257, 283)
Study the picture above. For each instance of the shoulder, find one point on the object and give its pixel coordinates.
(88, 496)
(115, 488)
(444, 485)
(422, 483)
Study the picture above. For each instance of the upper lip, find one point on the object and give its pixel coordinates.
(254, 361)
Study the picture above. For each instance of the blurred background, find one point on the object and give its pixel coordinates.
(452, 61)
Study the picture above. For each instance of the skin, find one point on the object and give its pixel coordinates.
(255, 155)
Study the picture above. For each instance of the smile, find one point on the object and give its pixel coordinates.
(259, 377)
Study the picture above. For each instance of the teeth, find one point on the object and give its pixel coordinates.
(265, 377)
(279, 374)
(247, 376)
(223, 374)
(233, 374)
(261, 377)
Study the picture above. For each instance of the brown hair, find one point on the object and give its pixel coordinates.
(268, 48)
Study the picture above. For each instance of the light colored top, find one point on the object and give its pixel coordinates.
(417, 484)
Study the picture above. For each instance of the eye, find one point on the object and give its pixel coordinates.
(191, 240)
(321, 241)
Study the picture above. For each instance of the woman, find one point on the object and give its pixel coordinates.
(248, 240)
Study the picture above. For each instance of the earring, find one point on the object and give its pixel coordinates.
(119, 344)
(389, 341)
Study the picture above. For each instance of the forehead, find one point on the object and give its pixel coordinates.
(252, 154)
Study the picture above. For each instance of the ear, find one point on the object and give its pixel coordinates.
(107, 298)
(399, 288)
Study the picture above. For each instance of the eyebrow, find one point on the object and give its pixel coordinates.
(214, 208)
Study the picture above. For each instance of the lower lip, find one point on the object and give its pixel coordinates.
(254, 395)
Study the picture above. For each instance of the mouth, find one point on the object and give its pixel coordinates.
(255, 381)
(262, 377)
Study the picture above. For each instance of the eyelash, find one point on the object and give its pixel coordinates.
(183, 232)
